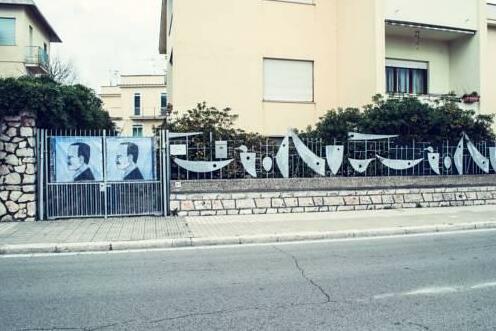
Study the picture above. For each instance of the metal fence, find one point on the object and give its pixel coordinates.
(100, 196)
(200, 149)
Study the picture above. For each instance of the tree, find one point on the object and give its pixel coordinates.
(336, 124)
(221, 123)
(55, 105)
(62, 72)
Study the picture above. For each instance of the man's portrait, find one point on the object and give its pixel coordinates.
(78, 158)
(130, 159)
(127, 160)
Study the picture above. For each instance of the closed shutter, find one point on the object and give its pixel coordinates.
(7, 32)
(288, 80)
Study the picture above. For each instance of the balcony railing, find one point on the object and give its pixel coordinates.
(148, 113)
(36, 58)
(435, 99)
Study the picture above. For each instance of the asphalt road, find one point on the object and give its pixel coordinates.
(441, 282)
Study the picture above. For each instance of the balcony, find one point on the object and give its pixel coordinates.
(451, 14)
(36, 60)
(436, 99)
(149, 114)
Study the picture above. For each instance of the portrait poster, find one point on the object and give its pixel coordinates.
(77, 159)
(130, 159)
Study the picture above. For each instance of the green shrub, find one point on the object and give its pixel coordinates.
(55, 105)
(408, 117)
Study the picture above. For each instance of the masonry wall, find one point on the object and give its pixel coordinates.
(401, 194)
(17, 168)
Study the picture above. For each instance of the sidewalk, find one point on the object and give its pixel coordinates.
(151, 232)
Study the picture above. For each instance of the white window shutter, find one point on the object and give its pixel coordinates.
(288, 80)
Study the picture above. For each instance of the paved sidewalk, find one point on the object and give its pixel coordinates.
(93, 230)
(152, 232)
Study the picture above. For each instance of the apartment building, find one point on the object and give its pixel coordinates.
(137, 104)
(25, 38)
(282, 64)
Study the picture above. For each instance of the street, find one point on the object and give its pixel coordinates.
(425, 282)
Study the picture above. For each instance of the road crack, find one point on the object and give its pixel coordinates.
(232, 311)
(304, 275)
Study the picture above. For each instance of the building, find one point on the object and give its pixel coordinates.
(136, 104)
(282, 64)
(25, 37)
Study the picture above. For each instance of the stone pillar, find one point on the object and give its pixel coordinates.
(18, 168)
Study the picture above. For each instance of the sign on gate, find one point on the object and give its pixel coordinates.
(78, 159)
(130, 159)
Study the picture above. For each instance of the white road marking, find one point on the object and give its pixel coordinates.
(432, 291)
(243, 246)
(483, 286)
(384, 296)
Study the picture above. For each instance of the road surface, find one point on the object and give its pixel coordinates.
(427, 282)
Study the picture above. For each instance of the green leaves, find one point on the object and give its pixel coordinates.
(207, 119)
(408, 117)
(55, 105)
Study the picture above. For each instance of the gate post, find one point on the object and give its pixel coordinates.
(104, 174)
(165, 170)
(40, 142)
(18, 162)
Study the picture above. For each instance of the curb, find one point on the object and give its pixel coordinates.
(238, 240)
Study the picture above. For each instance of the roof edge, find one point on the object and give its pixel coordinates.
(31, 5)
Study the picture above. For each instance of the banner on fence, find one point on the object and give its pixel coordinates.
(78, 159)
(130, 159)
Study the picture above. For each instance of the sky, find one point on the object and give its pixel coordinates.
(101, 37)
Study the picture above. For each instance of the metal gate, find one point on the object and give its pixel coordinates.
(101, 174)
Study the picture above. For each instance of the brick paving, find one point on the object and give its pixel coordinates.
(94, 230)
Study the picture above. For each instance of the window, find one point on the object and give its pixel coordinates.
(138, 130)
(7, 31)
(137, 104)
(406, 77)
(288, 80)
(163, 103)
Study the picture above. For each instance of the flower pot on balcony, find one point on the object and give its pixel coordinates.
(470, 98)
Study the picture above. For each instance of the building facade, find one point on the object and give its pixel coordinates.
(25, 37)
(281, 64)
(137, 104)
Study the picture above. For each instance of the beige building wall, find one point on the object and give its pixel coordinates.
(220, 61)
(119, 102)
(13, 58)
(359, 77)
(217, 50)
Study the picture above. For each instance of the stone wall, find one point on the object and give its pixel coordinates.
(18, 168)
(291, 201)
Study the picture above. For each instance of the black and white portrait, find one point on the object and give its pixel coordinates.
(129, 159)
(78, 159)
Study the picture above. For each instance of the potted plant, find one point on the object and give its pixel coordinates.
(471, 98)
